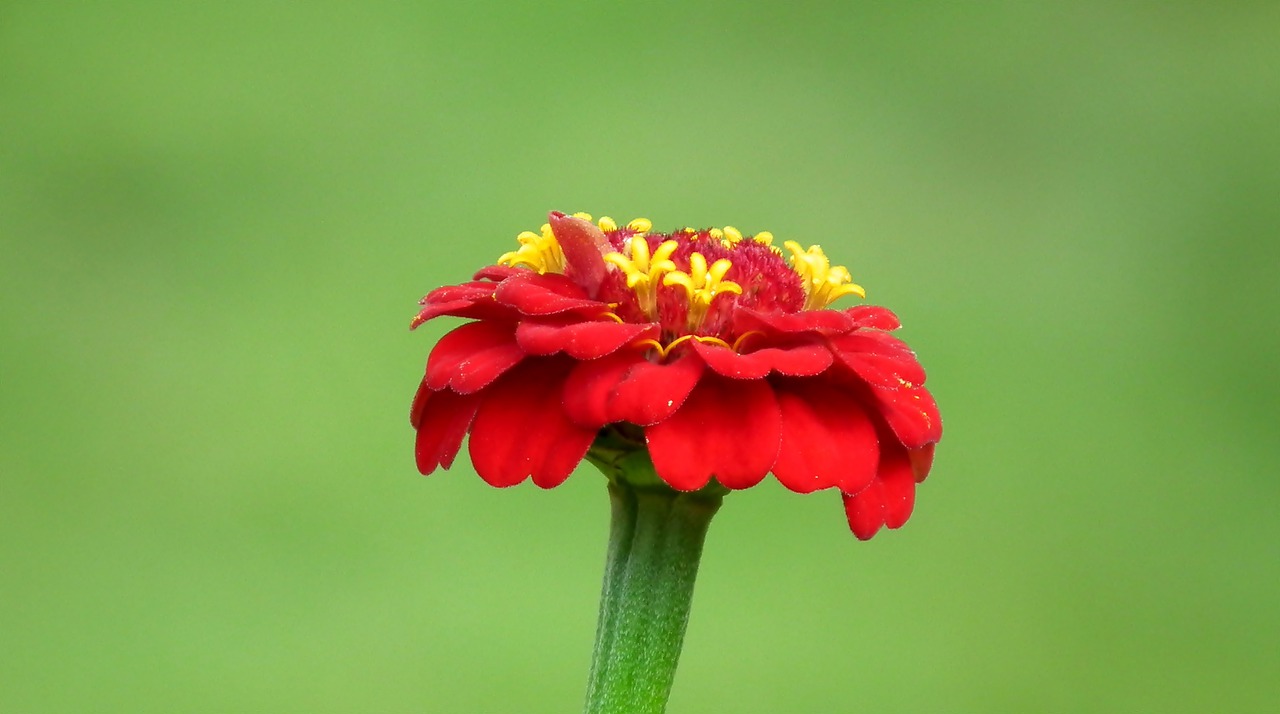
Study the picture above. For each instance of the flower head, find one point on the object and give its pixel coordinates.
(706, 349)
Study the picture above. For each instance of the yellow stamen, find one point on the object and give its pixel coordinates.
(677, 341)
(764, 237)
(583, 216)
(702, 284)
(607, 224)
(665, 351)
(732, 235)
(823, 282)
(708, 340)
(737, 344)
(644, 271)
(652, 343)
(641, 225)
(540, 252)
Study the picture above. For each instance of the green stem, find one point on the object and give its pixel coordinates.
(655, 542)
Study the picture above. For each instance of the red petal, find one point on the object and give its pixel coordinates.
(589, 388)
(521, 429)
(798, 361)
(864, 513)
(653, 392)
(827, 439)
(911, 413)
(897, 485)
(628, 387)
(419, 403)
(888, 501)
(533, 294)
(727, 429)
(475, 290)
(442, 421)
(921, 461)
(819, 321)
(470, 357)
(584, 247)
(496, 273)
(893, 378)
(879, 358)
(580, 340)
(873, 316)
(470, 300)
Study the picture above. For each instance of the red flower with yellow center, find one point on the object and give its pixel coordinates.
(706, 349)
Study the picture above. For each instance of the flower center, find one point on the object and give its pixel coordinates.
(688, 281)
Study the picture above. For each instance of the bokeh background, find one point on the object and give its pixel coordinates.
(216, 218)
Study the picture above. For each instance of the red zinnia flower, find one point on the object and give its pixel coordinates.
(703, 347)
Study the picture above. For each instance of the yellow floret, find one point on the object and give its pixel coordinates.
(702, 284)
(823, 283)
(644, 271)
(540, 252)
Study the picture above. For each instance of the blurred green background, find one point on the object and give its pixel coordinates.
(215, 221)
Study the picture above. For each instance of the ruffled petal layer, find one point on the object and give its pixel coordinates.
(888, 501)
(628, 387)
(912, 413)
(580, 340)
(879, 358)
(497, 273)
(469, 300)
(802, 360)
(874, 317)
(442, 419)
(893, 380)
(827, 322)
(521, 429)
(472, 356)
(550, 294)
(731, 430)
(827, 439)
(588, 392)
